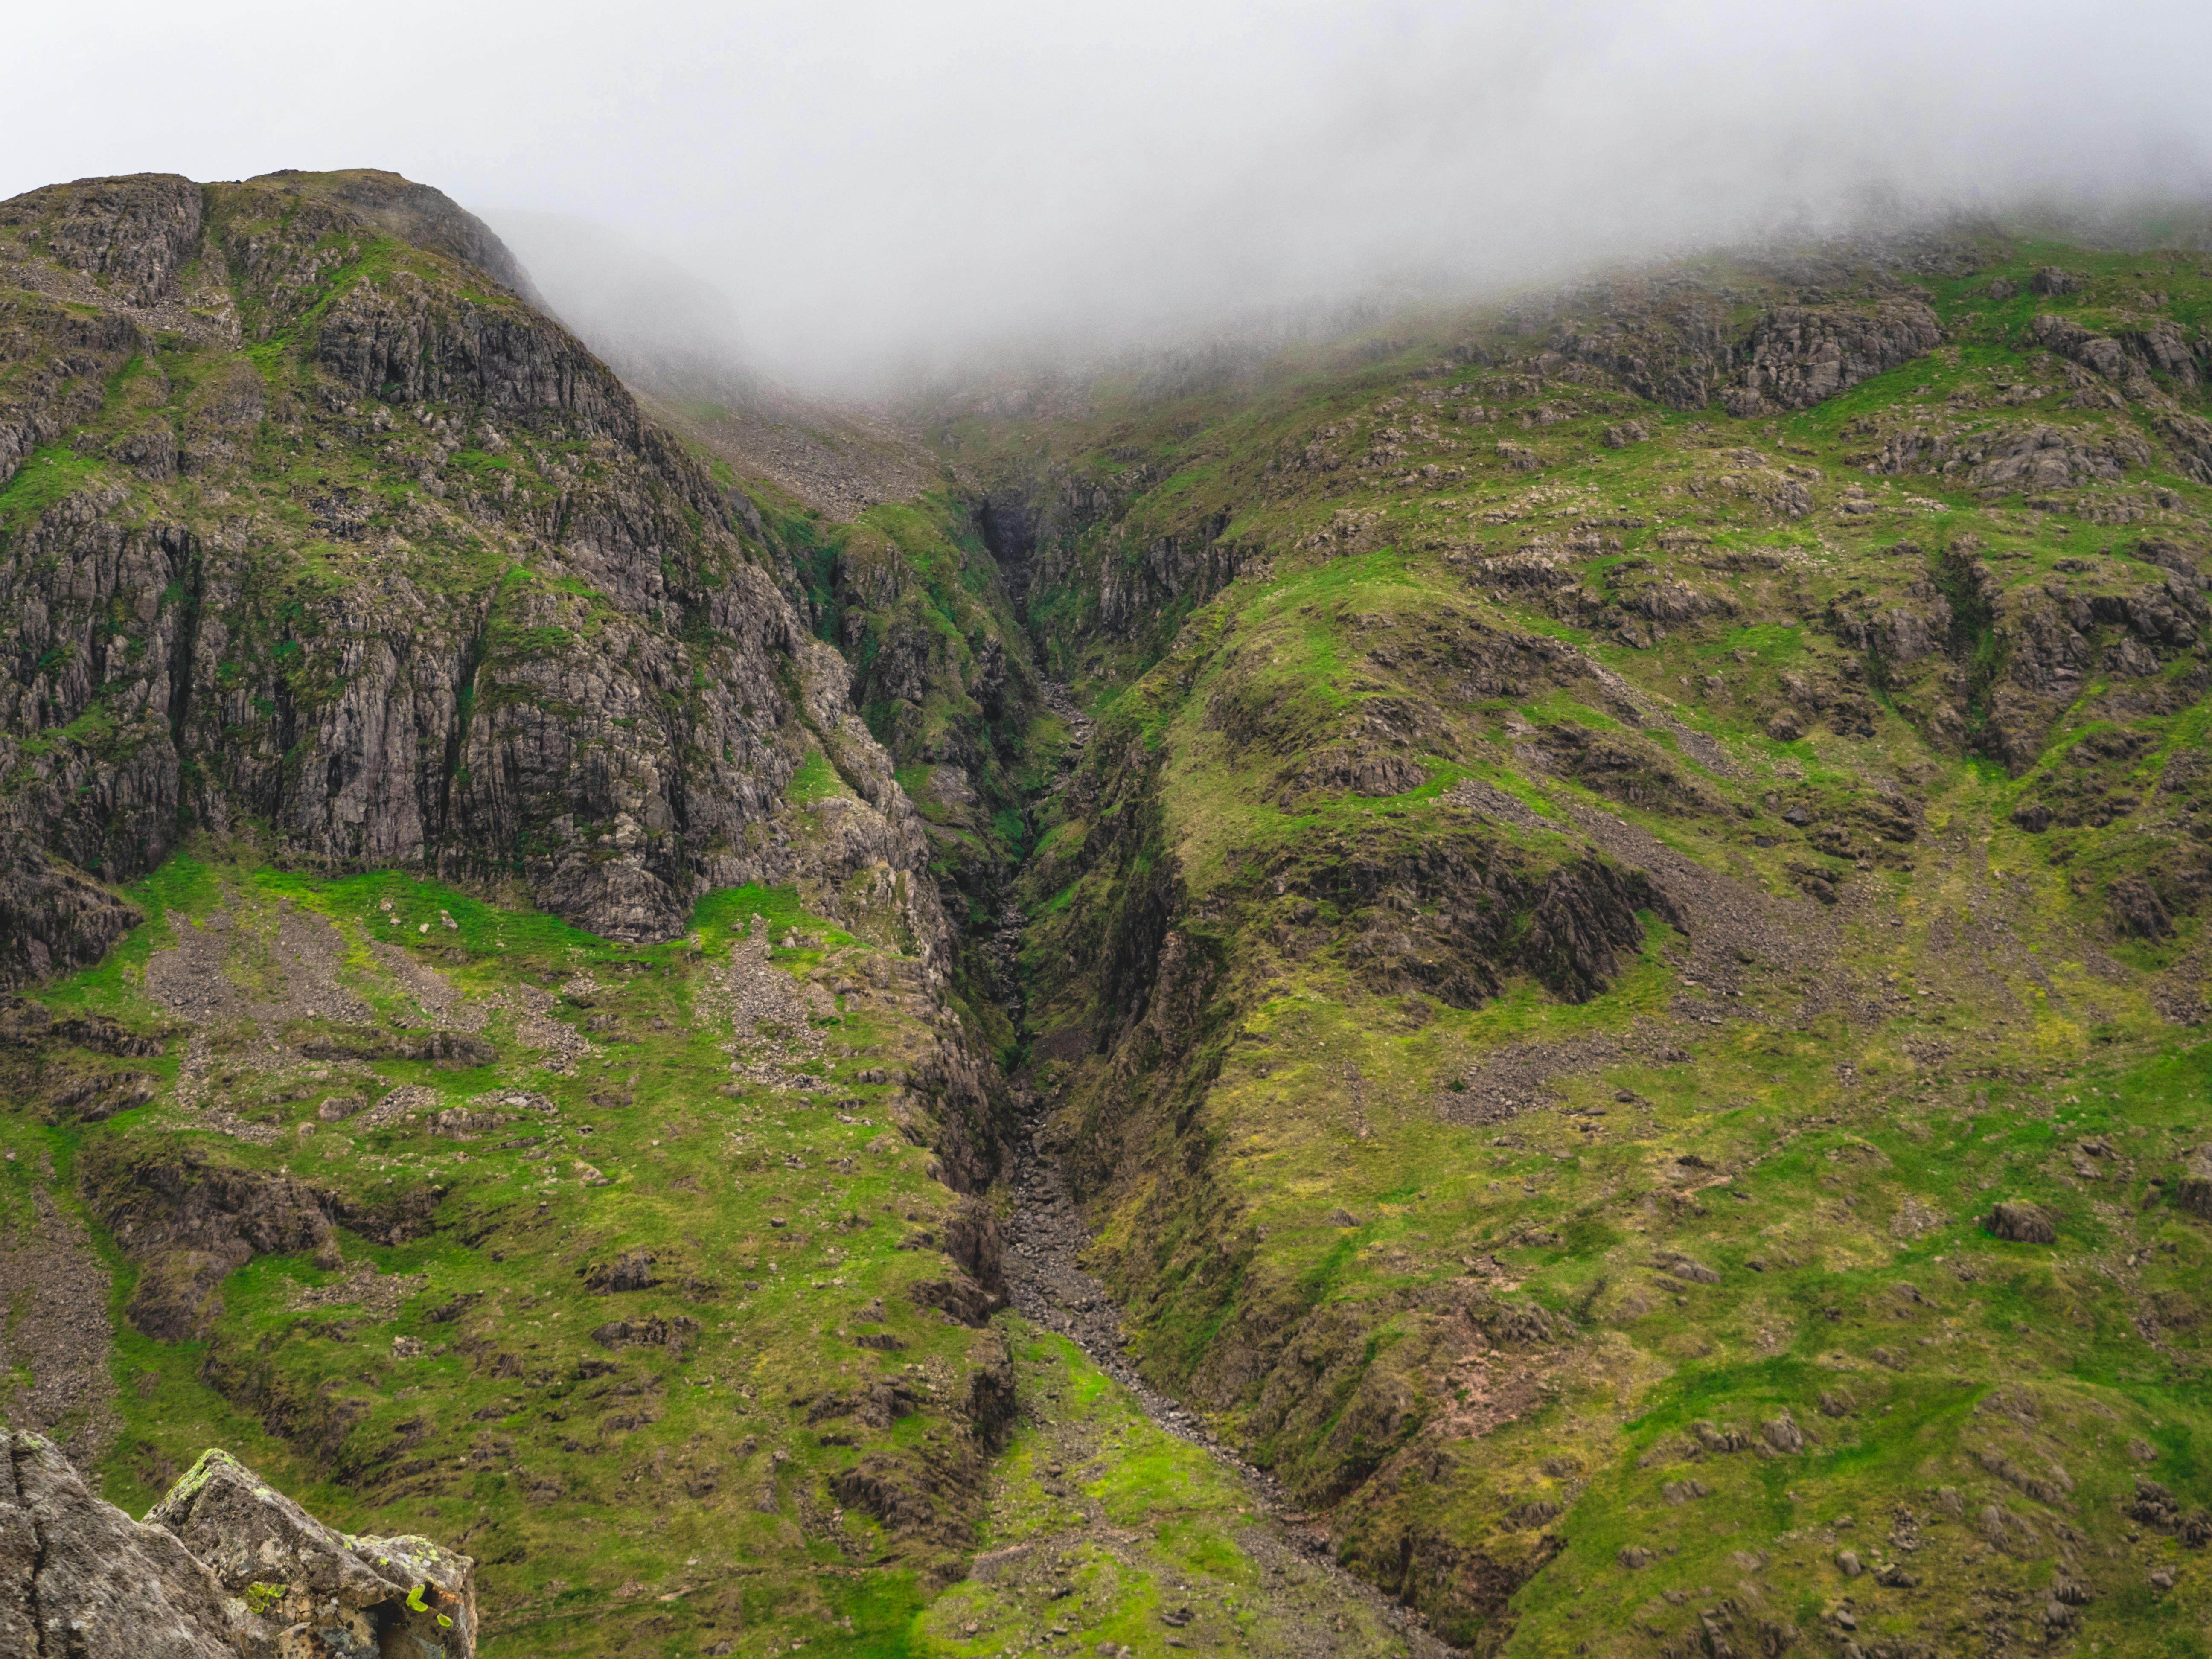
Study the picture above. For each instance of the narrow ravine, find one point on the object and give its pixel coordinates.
(1045, 1238)
(1047, 1286)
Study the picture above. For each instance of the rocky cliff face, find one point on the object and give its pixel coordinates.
(316, 531)
(224, 1567)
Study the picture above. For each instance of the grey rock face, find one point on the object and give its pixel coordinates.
(2163, 346)
(1800, 354)
(354, 1595)
(135, 234)
(195, 1222)
(2093, 351)
(79, 1577)
(2126, 360)
(2051, 457)
(438, 594)
(1898, 633)
(224, 1567)
(1672, 345)
(60, 919)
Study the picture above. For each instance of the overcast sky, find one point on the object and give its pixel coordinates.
(878, 186)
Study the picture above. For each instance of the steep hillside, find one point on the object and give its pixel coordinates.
(498, 1059)
(326, 553)
(1621, 975)
(315, 525)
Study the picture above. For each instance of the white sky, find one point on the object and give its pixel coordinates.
(879, 184)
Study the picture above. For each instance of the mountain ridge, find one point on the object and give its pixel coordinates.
(384, 342)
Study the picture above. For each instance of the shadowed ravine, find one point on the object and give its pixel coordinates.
(1047, 1286)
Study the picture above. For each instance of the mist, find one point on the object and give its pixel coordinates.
(844, 196)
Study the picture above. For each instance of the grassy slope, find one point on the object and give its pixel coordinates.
(1976, 1019)
(629, 1499)
(571, 1508)
(1100, 1522)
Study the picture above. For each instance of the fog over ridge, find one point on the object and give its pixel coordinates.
(880, 189)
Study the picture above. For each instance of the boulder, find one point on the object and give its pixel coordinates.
(2137, 909)
(2023, 1224)
(77, 1576)
(675, 1334)
(1782, 1434)
(631, 1271)
(2194, 1191)
(1537, 1512)
(2039, 456)
(224, 1567)
(315, 1584)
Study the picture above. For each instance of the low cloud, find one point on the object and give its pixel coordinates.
(878, 188)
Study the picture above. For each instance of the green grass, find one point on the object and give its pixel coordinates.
(816, 779)
(45, 477)
(1107, 1522)
(692, 1175)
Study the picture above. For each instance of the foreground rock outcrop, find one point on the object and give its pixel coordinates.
(224, 1567)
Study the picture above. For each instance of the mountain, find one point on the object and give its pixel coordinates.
(1530, 977)
(1621, 977)
(367, 551)
(327, 555)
